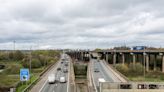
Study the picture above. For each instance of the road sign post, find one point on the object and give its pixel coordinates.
(24, 74)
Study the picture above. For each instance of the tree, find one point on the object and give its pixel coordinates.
(18, 55)
(11, 55)
(35, 63)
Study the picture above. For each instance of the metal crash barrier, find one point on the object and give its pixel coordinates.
(132, 87)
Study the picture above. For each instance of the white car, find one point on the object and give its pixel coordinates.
(51, 78)
(65, 70)
(62, 80)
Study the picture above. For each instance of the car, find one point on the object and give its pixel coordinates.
(62, 80)
(58, 68)
(66, 64)
(65, 70)
(96, 70)
(51, 78)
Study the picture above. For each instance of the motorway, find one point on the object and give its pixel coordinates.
(104, 72)
(57, 86)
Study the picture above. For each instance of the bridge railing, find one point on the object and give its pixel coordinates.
(132, 87)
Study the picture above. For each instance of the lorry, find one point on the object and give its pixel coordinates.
(138, 48)
(51, 78)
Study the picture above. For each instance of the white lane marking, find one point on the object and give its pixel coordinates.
(68, 76)
(111, 74)
(48, 73)
(43, 86)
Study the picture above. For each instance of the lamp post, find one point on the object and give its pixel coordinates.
(144, 54)
(14, 45)
(30, 61)
(30, 58)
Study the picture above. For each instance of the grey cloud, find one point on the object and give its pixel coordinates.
(81, 23)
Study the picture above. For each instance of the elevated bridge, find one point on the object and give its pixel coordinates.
(150, 59)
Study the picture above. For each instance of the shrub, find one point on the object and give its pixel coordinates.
(35, 63)
(18, 55)
(122, 68)
(136, 69)
(13, 69)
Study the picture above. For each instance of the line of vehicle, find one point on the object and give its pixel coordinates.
(46, 80)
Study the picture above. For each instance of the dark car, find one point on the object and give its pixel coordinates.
(66, 64)
(65, 70)
(96, 70)
(59, 69)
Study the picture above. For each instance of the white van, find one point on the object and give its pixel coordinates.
(62, 80)
(51, 78)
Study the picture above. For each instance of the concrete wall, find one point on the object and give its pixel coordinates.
(134, 87)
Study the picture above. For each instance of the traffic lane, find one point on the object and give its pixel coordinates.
(49, 87)
(109, 72)
(61, 87)
(99, 74)
(104, 72)
(57, 87)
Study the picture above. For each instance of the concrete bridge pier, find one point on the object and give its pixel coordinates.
(161, 54)
(107, 57)
(134, 58)
(123, 58)
(114, 59)
(147, 62)
(82, 56)
(155, 63)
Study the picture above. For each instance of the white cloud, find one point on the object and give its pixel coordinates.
(80, 23)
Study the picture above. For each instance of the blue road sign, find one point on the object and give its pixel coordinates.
(24, 74)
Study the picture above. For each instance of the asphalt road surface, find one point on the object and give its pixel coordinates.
(104, 72)
(57, 86)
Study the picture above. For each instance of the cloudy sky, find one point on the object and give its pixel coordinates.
(84, 24)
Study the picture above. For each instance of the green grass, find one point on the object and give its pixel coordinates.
(23, 85)
(8, 80)
(38, 70)
(149, 77)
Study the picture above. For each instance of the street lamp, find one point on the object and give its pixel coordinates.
(30, 58)
(144, 54)
(30, 62)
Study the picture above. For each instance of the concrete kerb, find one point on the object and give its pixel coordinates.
(72, 76)
(94, 85)
(120, 76)
(89, 78)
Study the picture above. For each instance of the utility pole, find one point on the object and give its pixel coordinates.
(30, 61)
(30, 58)
(144, 54)
(14, 45)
